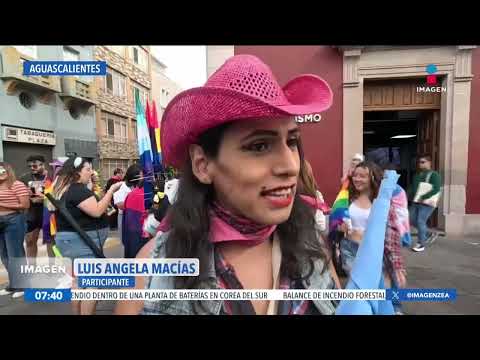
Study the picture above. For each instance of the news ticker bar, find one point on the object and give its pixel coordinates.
(65, 295)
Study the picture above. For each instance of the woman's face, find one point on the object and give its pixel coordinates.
(3, 174)
(424, 164)
(256, 171)
(86, 173)
(361, 179)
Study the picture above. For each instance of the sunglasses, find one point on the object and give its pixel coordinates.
(422, 162)
(34, 166)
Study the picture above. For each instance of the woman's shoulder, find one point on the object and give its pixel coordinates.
(19, 185)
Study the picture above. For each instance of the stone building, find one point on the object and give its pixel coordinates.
(128, 72)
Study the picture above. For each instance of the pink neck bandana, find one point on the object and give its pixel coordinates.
(225, 226)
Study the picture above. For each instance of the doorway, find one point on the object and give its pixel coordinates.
(16, 154)
(398, 137)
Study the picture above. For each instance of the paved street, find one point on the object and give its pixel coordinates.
(8, 306)
(449, 263)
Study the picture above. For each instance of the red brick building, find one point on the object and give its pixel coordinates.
(382, 108)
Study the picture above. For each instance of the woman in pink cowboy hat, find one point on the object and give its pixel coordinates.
(237, 208)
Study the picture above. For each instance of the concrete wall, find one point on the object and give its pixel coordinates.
(160, 82)
(52, 116)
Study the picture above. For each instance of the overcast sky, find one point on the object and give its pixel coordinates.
(186, 65)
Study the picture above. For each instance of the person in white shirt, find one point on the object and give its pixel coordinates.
(153, 220)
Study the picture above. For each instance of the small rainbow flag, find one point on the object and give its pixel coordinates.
(339, 210)
(49, 225)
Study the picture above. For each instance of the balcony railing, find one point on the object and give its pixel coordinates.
(79, 91)
(12, 73)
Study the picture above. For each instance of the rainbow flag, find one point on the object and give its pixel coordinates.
(157, 132)
(49, 224)
(152, 124)
(145, 152)
(339, 210)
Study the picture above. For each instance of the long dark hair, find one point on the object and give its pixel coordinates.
(190, 224)
(132, 176)
(307, 184)
(375, 174)
(68, 175)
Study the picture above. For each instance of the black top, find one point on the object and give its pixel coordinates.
(162, 209)
(36, 185)
(74, 196)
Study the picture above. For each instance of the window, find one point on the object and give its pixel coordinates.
(115, 83)
(109, 166)
(114, 127)
(26, 100)
(134, 130)
(109, 81)
(110, 127)
(74, 112)
(121, 86)
(70, 55)
(135, 55)
(123, 131)
(28, 50)
(139, 57)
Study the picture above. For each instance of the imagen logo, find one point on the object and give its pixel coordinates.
(432, 81)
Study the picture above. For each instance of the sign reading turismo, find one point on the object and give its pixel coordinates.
(315, 118)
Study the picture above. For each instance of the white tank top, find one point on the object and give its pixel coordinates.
(359, 217)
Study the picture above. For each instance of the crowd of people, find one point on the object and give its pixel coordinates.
(246, 204)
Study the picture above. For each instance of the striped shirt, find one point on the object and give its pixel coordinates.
(12, 196)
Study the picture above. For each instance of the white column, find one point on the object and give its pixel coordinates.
(352, 107)
(457, 143)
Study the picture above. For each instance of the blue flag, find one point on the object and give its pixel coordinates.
(367, 268)
(145, 152)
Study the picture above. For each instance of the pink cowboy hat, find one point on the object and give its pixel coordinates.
(242, 88)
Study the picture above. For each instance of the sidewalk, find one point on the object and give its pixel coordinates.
(448, 263)
(113, 240)
(8, 306)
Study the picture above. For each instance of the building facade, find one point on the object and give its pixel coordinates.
(382, 108)
(164, 89)
(47, 115)
(128, 72)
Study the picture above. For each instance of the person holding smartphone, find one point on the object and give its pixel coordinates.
(35, 181)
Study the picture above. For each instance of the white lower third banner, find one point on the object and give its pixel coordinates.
(175, 295)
